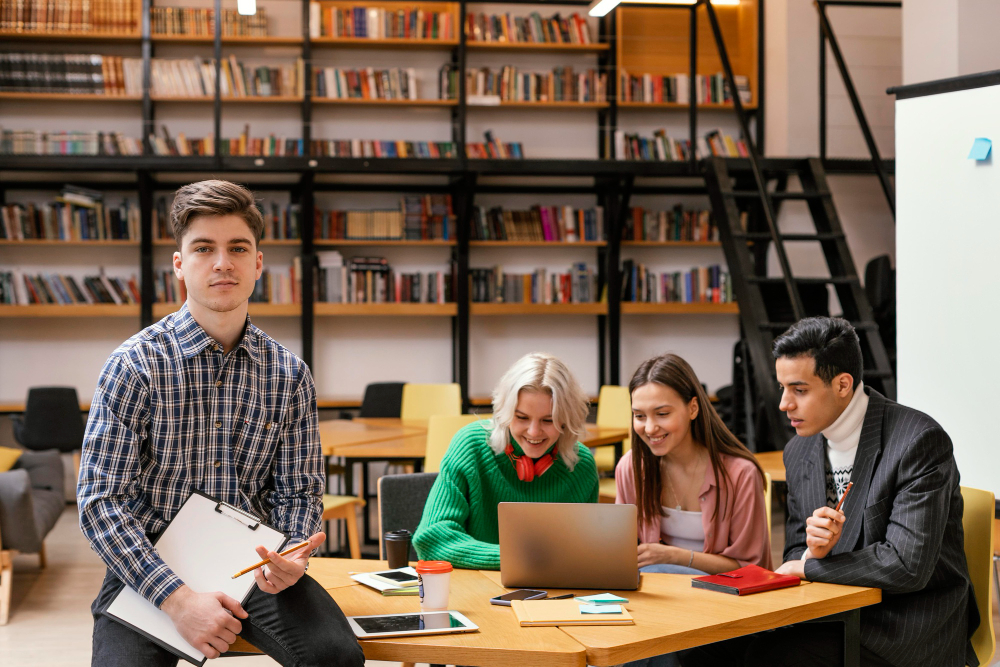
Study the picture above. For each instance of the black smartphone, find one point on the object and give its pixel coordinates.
(521, 594)
(396, 577)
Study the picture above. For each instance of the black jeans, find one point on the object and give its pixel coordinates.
(803, 645)
(300, 626)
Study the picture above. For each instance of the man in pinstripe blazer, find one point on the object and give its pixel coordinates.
(900, 528)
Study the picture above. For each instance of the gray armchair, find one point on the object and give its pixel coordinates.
(31, 501)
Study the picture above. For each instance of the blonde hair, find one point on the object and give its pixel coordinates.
(543, 373)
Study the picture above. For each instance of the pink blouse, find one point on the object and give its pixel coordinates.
(740, 530)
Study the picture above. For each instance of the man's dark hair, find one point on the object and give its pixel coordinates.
(830, 341)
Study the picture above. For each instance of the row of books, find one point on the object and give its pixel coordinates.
(492, 285)
(676, 224)
(562, 84)
(380, 148)
(282, 285)
(200, 22)
(540, 223)
(39, 142)
(379, 22)
(493, 148)
(530, 29)
(663, 148)
(703, 284)
(78, 214)
(280, 221)
(711, 89)
(372, 280)
(195, 77)
(82, 16)
(395, 83)
(419, 218)
(74, 73)
(167, 288)
(17, 288)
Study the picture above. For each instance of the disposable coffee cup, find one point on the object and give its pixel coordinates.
(435, 581)
(397, 548)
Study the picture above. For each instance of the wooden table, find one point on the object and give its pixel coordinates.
(773, 464)
(669, 615)
(338, 433)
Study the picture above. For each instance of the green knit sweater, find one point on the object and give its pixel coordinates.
(460, 522)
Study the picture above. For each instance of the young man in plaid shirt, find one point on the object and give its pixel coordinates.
(205, 400)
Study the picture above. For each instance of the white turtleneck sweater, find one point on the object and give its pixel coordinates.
(842, 437)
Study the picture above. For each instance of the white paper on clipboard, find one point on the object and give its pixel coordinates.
(205, 544)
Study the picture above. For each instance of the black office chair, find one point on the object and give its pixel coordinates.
(51, 420)
(401, 500)
(382, 399)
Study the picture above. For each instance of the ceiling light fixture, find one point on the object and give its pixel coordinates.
(603, 7)
(246, 7)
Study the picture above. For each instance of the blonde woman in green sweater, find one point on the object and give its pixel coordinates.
(528, 452)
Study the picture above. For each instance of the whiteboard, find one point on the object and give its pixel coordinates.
(948, 272)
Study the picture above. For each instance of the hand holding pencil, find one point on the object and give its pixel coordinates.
(824, 527)
(283, 569)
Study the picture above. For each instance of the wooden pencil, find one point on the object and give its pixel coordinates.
(844, 497)
(268, 560)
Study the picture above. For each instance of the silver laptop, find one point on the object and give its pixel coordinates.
(568, 545)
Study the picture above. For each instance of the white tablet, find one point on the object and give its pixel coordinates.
(398, 625)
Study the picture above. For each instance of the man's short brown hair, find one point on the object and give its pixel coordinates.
(214, 198)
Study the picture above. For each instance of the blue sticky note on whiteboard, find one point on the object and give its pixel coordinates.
(980, 149)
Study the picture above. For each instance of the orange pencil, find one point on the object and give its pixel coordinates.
(844, 497)
(268, 560)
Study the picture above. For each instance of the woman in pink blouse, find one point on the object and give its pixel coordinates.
(699, 491)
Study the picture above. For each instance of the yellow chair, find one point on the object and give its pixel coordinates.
(767, 501)
(345, 507)
(614, 410)
(607, 491)
(440, 430)
(421, 401)
(977, 522)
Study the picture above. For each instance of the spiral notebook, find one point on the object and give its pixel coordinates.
(205, 543)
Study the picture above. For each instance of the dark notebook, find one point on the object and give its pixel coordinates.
(745, 580)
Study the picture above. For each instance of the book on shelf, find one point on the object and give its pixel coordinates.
(379, 148)
(370, 22)
(493, 285)
(662, 148)
(200, 22)
(372, 280)
(195, 77)
(656, 88)
(493, 148)
(279, 286)
(283, 222)
(418, 218)
(167, 288)
(562, 84)
(244, 145)
(72, 217)
(676, 224)
(70, 73)
(121, 17)
(448, 82)
(530, 29)
(18, 288)
(701, 284)
(39, 142)
(395, 83)
(540, 223)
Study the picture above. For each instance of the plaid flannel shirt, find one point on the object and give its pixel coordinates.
(172, 414)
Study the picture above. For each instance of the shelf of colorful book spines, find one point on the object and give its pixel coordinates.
(539, 224)
(494, 285)
(73, 17)
(370, 280)
(702, 284)
(23, 289)
(73, 218)
(673, 226)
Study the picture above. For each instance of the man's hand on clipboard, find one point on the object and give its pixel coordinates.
(284, 572)
(207, 621)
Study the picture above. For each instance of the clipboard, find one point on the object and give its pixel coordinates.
(205, 542)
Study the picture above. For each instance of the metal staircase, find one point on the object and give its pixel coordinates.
(769, 304)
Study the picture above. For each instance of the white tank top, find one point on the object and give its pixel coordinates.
(682, 529)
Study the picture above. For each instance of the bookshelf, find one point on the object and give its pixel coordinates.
(300, 177)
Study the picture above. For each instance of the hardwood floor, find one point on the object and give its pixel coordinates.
(50, 622)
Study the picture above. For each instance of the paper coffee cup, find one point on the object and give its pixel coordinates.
(435, 581)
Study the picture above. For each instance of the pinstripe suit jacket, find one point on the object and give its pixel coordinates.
(903, 534)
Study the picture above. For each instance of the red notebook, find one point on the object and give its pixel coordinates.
(745, 580)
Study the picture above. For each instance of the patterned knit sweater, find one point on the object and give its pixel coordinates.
(460, 522)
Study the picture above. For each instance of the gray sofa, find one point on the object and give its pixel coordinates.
(31, 501)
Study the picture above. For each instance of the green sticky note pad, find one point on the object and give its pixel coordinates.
(600, 609)
(602, 598)
(980, 149)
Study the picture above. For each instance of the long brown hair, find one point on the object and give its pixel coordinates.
(707, 430)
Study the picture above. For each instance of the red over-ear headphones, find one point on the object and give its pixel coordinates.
(528, 469)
